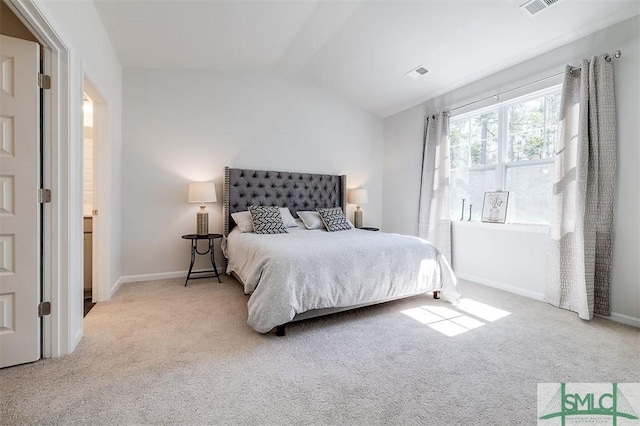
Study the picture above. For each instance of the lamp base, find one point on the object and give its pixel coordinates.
(202, 222)
(357, 218)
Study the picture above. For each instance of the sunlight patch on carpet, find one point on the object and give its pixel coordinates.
(481, 310)
(452, 322)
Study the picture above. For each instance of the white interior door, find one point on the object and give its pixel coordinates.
(19, 207)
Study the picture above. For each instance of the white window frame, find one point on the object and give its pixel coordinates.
(502, 164)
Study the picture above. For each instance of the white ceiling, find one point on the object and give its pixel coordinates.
(359, 49)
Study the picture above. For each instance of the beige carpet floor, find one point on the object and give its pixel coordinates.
(160, 353)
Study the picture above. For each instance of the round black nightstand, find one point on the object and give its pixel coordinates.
(368, 228)
(194, 250)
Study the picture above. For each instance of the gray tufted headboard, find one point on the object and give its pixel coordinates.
(297, 191)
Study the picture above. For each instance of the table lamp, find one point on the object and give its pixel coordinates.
(202, 192)
(358, 196)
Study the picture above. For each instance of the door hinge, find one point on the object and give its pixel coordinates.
(44, 195)
(44, 309)
(44, 81)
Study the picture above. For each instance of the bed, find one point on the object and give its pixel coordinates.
(306, 273)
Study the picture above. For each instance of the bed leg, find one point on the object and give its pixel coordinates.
(436, 295)
(280, 330)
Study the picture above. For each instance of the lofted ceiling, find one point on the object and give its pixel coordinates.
(358, 49)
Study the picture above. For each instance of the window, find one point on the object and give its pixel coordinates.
(507, 147)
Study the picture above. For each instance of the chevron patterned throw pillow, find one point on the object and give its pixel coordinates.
(267, 220)
(334, 219)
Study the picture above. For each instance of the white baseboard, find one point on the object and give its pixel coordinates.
(115, 287)
(501, 286)
(153, 277)
(159, 276)
(621, 318)
(624, 319)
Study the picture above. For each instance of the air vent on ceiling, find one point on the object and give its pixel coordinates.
(417, 72)
(533, 7)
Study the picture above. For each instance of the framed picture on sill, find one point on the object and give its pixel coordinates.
(494, 207)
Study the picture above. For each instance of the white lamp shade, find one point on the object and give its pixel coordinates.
(358, 196)
(202, 192)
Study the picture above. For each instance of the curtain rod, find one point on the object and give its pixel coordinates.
(607, 58)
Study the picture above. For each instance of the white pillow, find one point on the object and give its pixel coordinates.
(287, 218)
(243, 220)
(311, 220)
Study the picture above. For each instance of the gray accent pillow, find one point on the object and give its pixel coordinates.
(334, 219)
(267, 220)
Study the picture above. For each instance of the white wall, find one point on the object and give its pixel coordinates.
(517, 258)
(183, 125)
(523, 247)
(91, 52)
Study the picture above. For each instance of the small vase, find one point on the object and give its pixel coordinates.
(494, 215)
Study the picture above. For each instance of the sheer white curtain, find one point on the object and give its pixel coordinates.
(583, 191)
(434, 221)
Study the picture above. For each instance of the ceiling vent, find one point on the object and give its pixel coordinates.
(417, 72)
(533, 7)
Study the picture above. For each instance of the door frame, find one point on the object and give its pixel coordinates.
(62, 236)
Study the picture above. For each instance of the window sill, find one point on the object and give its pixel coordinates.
(516, 227)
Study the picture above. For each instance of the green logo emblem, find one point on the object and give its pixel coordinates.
(587, 402)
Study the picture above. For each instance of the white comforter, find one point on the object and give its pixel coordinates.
(288, 274)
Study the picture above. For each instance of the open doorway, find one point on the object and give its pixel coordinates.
(95, 184)
(88, 209)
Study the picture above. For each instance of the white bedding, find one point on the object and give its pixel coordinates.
(288, 274)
